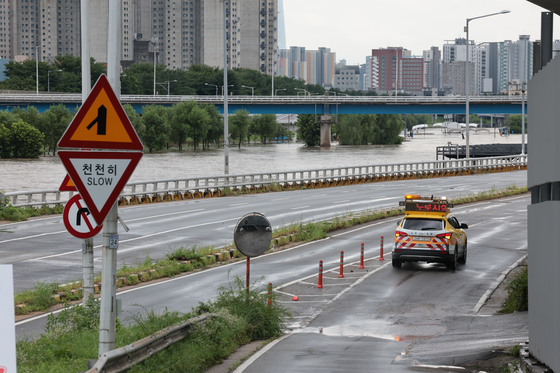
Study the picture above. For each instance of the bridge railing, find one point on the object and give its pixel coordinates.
(62, 97)
(219, 182)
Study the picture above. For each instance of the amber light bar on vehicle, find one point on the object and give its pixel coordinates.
(412, 197)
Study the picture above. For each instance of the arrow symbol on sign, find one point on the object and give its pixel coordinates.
(83, 210)
(101, 121)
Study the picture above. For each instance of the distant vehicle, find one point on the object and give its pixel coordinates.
(429, 233)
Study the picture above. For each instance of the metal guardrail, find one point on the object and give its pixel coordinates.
(124, 358)
(212, 183)
(74, 98)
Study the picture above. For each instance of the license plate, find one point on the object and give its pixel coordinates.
(422, 238)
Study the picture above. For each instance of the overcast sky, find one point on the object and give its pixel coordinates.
(352, 28)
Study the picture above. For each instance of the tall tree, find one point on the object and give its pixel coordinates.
(264, 126)
(216, 130)
(199, 125)
(309, 131)
(239, 125)
(53, 123)
(156, 136)
(135, 119)
(26, 140)
(180, 127)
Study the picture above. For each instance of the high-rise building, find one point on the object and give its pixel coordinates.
(183, 32)
(398, 70)
(432, 68)
(515, 61)
(310, 66)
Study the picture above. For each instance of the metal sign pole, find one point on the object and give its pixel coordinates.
(248, 274)
(87, 252)
(87, 270)
(107, 320)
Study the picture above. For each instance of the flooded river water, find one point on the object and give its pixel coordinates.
(48, 172)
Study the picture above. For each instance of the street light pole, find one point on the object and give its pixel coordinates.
(279, 89)
(49, 79)
(229, 85)
(169, 81)
(37, 65)
(252, 90)
(468, 153)
(155, 41)
(226, 110)
(213, 85)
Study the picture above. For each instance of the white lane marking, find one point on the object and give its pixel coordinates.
(238, 204)
(340, 202)
(495, 285)
(255, 356)
(299, 208)
(65, 231)
(141, 237)
(159, 216)
(35, 236)
(279, 199)
(259, 353)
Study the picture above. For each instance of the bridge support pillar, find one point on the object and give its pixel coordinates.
(326, 121)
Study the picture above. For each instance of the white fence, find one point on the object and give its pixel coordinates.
(394, 171)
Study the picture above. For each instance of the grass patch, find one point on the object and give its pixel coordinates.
(11, 213)
(39, 298)
(518, 293)
(72, 337)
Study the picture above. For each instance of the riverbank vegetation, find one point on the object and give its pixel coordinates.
(72, 337)
(193, 258)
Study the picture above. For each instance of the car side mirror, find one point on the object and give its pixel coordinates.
(464, 226)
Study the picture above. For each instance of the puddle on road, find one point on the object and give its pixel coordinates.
(382, 330)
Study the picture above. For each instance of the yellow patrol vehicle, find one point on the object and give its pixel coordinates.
(429, 233)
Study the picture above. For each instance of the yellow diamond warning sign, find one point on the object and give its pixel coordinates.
(101, 123)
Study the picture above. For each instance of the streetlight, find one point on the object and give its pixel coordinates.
(37, 65)
(252, 90)
(301, 89)
(213, 85)
(279, 89)
(468, 153)
(154, 42)
(49, 79)
(162, 84)
(229, 85)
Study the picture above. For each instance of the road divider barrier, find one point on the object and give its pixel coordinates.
(320, 280)
(341, 275)
(362, 257)
(381, 250)
(215, 186)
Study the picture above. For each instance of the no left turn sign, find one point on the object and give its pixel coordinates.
(78, 220)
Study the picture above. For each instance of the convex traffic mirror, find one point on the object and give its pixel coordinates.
(252, 234)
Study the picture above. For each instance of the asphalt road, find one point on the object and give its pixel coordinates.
(399, 320)
(431, 310)
(41, 250)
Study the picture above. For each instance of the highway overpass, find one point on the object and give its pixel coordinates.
(295, 104)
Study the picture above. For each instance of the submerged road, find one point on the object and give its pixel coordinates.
(41, 250)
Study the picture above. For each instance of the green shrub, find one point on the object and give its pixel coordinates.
(518, 293)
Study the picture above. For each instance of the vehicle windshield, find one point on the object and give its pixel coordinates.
(423, 224)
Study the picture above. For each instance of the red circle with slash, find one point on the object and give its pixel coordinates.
(78, 220)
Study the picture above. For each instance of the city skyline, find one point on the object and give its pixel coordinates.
(314, 23)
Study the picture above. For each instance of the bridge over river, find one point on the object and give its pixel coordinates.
(320, 105)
